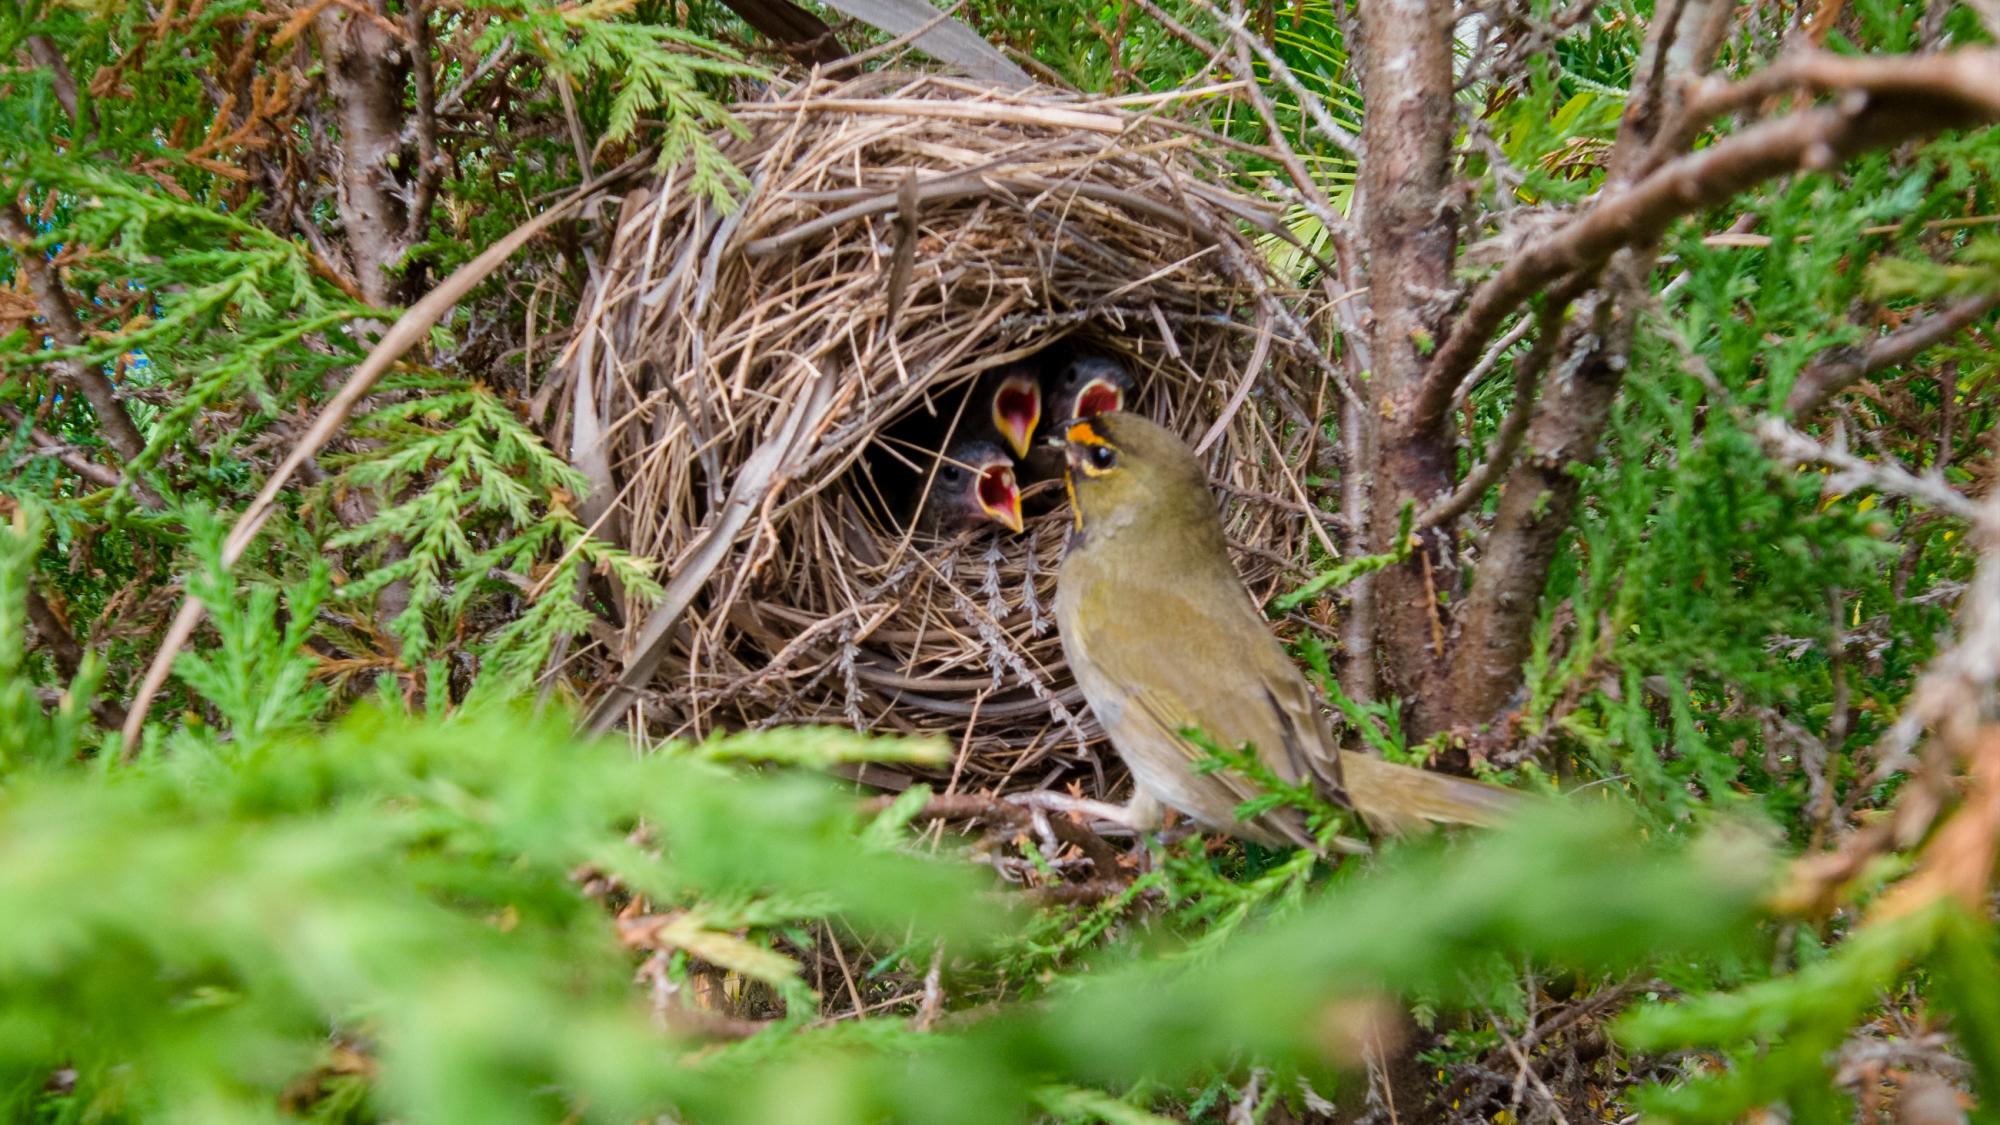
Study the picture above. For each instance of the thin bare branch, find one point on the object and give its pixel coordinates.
(1852, 472)
(59, 319)
(72, 458)
(1899, 99)
(431, 164)
(1527, 378)
(1836, 369)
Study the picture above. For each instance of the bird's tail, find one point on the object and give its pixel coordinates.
(1402, 799)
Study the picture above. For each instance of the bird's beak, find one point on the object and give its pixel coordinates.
(1099, 396)
(999, 498)
(1017, 410)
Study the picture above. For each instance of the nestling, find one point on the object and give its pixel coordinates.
(1085, 387)
(1163, 637)
(1011, 398)
(973, 483)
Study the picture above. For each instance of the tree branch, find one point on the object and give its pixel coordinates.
(1836, 369)
(1891, 101)
(62, 325)
(431, 164)
(1411, 232)
(61, 82)
(1527, 378)
(1852, 473)
(366, 63)
(66, 652)
(49, 445)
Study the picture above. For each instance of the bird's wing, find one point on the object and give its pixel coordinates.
(1211, 663)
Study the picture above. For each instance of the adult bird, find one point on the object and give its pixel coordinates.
(973, 483)
(1164, 639)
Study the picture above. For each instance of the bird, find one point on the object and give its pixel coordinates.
(973, 482)
(1010, 397)
(1085, 387)
(1163, 638)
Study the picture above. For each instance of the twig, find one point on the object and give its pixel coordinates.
(1526, 1070)
(1490, 360)
(61, 81)
(60, 321)
(1894, 100)
(1836, 369)
(1791, 446)
(1527, 378)
(1309, 102)
(846, 974)
(430, 163)
(48, 445)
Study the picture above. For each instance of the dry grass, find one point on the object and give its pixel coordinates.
(740, 379)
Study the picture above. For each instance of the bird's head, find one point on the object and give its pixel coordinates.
(975, 482)
(1016, 403)
(1089, 386)
(1122, 468)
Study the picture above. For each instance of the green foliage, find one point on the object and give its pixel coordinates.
(1977, 271)
(1777, 1034)
(651, 68)
(449, 462)
(410, 885)
(30, 733)
(259, 677)
(1335, 577)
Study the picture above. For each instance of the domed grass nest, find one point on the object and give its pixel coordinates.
(742, 377)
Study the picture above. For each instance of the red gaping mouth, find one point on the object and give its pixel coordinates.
(1017, 408)
(1098, 397)
(999, 497)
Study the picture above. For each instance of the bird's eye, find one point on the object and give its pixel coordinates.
(1103, 456)
(952, 472)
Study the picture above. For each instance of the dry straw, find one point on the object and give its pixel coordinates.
(745, 380)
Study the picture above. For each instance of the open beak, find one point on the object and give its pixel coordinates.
(999, 498)
(1017, 410)
(1099, 396)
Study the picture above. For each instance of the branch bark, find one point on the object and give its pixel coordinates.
(60, 321)
(72, 458)
(1527, 379)
(1836, 369)
(1411, 232)
(366, 65)
(1897, 100)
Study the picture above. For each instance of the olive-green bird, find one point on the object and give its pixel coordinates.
(1162, 637)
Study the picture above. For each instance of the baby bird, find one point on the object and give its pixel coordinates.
(1011, 400)
(974, 483)
(1163, 637)
(1085, 387)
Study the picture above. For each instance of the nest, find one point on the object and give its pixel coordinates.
(741, 372)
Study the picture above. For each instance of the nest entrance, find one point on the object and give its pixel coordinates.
(742, 378)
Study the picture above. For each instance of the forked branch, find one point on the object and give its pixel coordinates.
(1887, 101)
